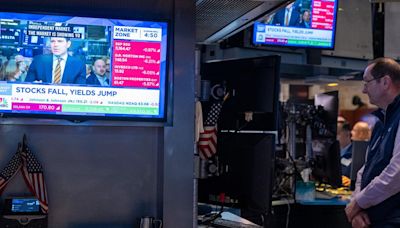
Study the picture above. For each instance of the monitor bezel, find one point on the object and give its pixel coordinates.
(78, 118)
(256, 44)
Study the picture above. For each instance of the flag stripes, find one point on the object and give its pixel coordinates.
(33, 175)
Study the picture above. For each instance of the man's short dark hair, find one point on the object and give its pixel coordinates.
(386, 66)
(346, 127)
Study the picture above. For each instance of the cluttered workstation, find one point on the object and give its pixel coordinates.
(271, 161)
(275, 163)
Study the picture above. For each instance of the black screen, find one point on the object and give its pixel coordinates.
(246, 166)
(326, 149)
(327, 167)
(253, 86)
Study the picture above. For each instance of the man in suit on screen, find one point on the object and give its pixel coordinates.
(58, 67)
(289, 16)
(98, 75)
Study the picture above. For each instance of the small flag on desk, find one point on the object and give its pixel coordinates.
(208, 139)
(33, 175)
(10, 170)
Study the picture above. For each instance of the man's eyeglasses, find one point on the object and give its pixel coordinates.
(368, 81)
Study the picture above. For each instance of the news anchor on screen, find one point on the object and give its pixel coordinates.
(58, 67)
(289, 16)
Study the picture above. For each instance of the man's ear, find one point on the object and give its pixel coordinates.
(68, 43)
(387, 81)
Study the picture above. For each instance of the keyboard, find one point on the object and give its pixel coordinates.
(324, 195)
(223, 223)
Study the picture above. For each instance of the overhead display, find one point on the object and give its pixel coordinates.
(82, 68)
(302, 23)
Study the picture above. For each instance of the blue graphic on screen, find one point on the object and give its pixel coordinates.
(25, 205)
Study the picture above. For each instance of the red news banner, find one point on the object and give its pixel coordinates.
(322, 14)
(136, 64)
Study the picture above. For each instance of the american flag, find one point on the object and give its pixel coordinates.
(33, 175)
(10, 170)
(208, 139)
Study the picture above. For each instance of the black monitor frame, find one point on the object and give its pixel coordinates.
(253, 86)
(326, 149)
(359, 150)
(166, 89)
(327, 166)
(246, 164)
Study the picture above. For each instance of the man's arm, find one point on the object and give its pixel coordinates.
(386, 184)
(32, 72)
(81, 78)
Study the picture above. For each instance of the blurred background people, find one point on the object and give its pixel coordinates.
(108, 65)
(344, 138)
(11, 71)
(361, 132)
(88, 70)
(22, 65)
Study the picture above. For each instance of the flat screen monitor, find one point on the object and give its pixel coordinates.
(302, 23)
(327, 119)
(246, 164)
(359, 149)
(327, 166)
(73, 67)
(253, 87)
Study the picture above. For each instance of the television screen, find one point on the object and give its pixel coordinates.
(302, 23)
(79, 68)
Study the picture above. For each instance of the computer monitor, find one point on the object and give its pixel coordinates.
(327, 119)
(327, 167)
(253, 86)
(359, 149)
(246, 164)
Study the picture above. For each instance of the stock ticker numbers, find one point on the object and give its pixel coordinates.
(323, 14)
(136, 64)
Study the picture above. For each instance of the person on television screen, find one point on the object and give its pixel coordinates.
(376, 198)
(305, 21)
(12, 72)
(58, 67)
(98, 75)
(344, 138)
(108, 69)
(289, 16)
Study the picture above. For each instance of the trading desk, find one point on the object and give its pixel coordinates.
(312, 213)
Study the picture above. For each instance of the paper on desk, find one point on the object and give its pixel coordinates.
(235, 218)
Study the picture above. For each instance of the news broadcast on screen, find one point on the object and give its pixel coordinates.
(301, 23)
(69, 66)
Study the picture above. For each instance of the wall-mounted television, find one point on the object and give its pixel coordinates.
(80, 68)
(300, 23)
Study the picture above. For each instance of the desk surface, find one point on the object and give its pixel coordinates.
(334, 201)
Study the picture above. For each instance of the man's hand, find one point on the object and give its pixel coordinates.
(361, 220)
(352, 209)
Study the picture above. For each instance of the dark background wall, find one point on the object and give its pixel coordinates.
(100, 175)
